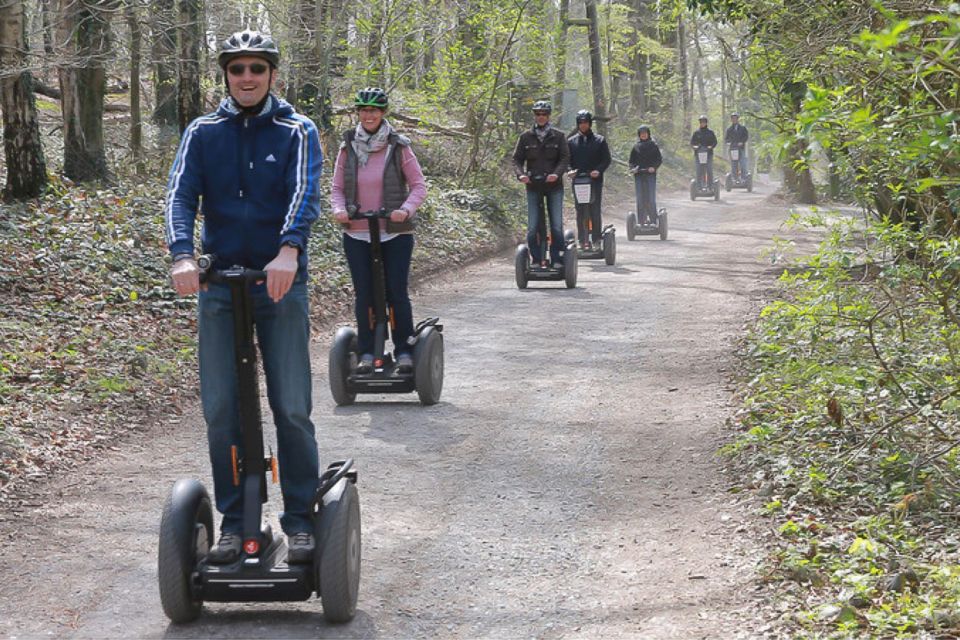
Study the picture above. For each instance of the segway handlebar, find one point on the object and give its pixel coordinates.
(225, 276)
(356, 214)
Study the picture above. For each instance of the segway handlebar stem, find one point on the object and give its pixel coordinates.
(235, 273)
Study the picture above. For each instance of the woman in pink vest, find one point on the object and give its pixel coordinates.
(376, 169)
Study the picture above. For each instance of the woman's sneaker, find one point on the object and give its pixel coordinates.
(365, 365)
(226, 550)
(404, 363)
(300, 548)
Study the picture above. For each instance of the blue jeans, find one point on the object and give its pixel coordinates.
(742, 161)
(555, 211)
(283, 335)
(396, 263)
(645, 186)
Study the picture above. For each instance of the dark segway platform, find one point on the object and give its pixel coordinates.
(646, 228)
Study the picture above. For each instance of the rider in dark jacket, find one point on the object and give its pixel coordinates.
(645, 159)
(589, 153)
(704, 137)
(736, 136)
(539, 161)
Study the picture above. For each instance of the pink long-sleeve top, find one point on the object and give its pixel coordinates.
(370, 188)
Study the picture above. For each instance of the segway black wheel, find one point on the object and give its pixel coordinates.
(186, 531)
(716, 190)
(728, 184)
(337, 562)
(340, 363)
(570, 267)
(428, 366)
(631, 226)
(749, 184)
(610, 248)
(663, 224)
(521, 262)
(693, 190)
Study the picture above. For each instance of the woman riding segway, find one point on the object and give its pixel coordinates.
(377, 187)
(363, 180)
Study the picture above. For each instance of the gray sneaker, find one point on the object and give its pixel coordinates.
(300, 548)
(404, 363)
(365, 365)
(226, 550)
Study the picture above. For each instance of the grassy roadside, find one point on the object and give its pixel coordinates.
(848, 434)
(94, 342)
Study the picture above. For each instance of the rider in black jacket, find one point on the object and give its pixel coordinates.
(704, 137)
(736, 136)
(645, 159)
(589, 153)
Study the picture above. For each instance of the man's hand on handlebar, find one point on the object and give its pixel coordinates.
(552, 177)
(524, 178)
(594, 174)
(186, 277)
(281, 271)
(341, 216)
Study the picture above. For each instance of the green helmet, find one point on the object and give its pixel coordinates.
(371, 97)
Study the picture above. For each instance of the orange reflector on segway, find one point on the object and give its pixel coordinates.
(236, 466)
(378, 363)
(251, 546)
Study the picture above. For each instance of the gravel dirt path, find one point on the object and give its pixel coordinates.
(566, 485)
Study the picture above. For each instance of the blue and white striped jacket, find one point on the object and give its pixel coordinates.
(256, 181)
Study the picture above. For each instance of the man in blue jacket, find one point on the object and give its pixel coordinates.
(589, 153)
(256, 166)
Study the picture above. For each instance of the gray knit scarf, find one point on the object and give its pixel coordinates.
(365, 143)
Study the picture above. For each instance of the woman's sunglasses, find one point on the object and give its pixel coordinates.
(256, 68)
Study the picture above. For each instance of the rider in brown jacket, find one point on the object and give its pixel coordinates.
(540, 160)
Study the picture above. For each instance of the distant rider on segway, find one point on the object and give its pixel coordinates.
(257, 214)
(589, 153)
(736, 136)
(645, 159)
(704, 137)
(539, 161)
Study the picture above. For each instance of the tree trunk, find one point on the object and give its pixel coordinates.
(596, 68)
(685, 93)
(23, 152)
(638, 62)
(83, 32)
(562, 28)
(190, 31)
(698, 68)
(136, 123)
(164, 52)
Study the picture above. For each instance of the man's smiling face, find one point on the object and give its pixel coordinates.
(249, 79)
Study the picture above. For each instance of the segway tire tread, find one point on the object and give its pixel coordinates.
(428, 367)
(340, 559)
(187, 508)
(338, 365)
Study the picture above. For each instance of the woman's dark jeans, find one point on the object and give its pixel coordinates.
(396, 263)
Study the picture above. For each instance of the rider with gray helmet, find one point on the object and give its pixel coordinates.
(254, 165)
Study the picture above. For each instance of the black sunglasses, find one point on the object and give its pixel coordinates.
(256, 68)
